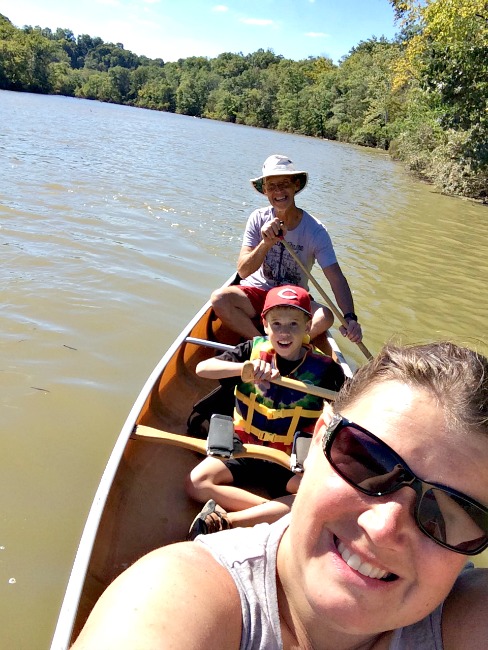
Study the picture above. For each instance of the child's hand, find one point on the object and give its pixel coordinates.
(263, 372)
(259, 372)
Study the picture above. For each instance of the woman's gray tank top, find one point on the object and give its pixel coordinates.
(249, 554)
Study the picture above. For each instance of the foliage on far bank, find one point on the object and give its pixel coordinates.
(443, 73)
(423, 95)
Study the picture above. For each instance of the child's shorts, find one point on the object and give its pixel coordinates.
(253, 472)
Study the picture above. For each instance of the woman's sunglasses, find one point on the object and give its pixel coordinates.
(450, 518)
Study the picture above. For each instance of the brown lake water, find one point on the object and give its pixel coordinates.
(115, 225)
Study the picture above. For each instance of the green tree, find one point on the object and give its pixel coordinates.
(193, 91)
(121, 81)
(25, 58)
(99, 85)
(157, 94)
(446, 63)
(360, 110)
(259, 92)
(228, 65)
(84, 45)
(222, 105)
(107, 55)
(262, 59)
(294, 77)
(63, 79)
(8, 47)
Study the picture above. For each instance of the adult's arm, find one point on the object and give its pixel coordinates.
(252, 257)
(177, 597)
(344, 299)
(340, 287)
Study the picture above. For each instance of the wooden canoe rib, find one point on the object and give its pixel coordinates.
(140, 503)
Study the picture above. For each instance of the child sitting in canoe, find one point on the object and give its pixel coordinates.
(265, 413)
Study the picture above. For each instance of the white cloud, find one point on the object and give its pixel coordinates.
(317, 35)
(220, 8)
(261, 22)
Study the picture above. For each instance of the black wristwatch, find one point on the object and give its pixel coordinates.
(350, 316)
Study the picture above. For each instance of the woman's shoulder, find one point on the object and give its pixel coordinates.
(178, 592)
(190, 574)
(464, 616)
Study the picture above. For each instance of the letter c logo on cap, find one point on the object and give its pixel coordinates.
(288, 294)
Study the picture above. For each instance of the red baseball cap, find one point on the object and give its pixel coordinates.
(288, 296)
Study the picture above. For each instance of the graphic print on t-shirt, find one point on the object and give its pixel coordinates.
(280, 268)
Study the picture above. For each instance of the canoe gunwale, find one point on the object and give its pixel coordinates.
(71, 599)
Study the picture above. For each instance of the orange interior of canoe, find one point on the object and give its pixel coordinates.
(147, 506)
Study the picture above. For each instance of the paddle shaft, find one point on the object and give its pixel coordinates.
(247, 374)
(329, 302)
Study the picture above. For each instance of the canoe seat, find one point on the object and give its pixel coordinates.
(299, 451)
(221, 440)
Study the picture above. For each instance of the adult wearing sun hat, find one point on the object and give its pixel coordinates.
(277, 165)
(265, 263)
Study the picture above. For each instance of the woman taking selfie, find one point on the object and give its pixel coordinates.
(376, 550)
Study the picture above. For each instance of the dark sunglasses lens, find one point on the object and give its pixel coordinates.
(365, 462)
(452, 520)
(371, 466)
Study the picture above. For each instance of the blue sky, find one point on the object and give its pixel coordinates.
(173, 29)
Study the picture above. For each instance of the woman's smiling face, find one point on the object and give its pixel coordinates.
(362, 561)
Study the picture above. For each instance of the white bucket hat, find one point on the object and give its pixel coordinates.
(277, 165)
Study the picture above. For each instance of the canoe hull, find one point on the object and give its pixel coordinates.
(141, 503)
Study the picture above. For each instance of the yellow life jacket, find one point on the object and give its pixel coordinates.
(274, 414)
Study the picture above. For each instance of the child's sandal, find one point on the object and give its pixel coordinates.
(211, 519)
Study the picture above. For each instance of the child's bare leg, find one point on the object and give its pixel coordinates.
(265, 512)
(269, 511)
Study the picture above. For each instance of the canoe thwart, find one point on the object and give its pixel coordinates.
(209, 344)
(143, 432)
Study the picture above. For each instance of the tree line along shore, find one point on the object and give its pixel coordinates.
(423, 96)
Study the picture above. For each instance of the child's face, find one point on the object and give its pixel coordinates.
(286, 327)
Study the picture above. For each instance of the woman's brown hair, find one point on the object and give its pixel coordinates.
(456, 376)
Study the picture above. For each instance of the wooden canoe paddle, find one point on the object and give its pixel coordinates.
(247, 374)
(329, 302)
